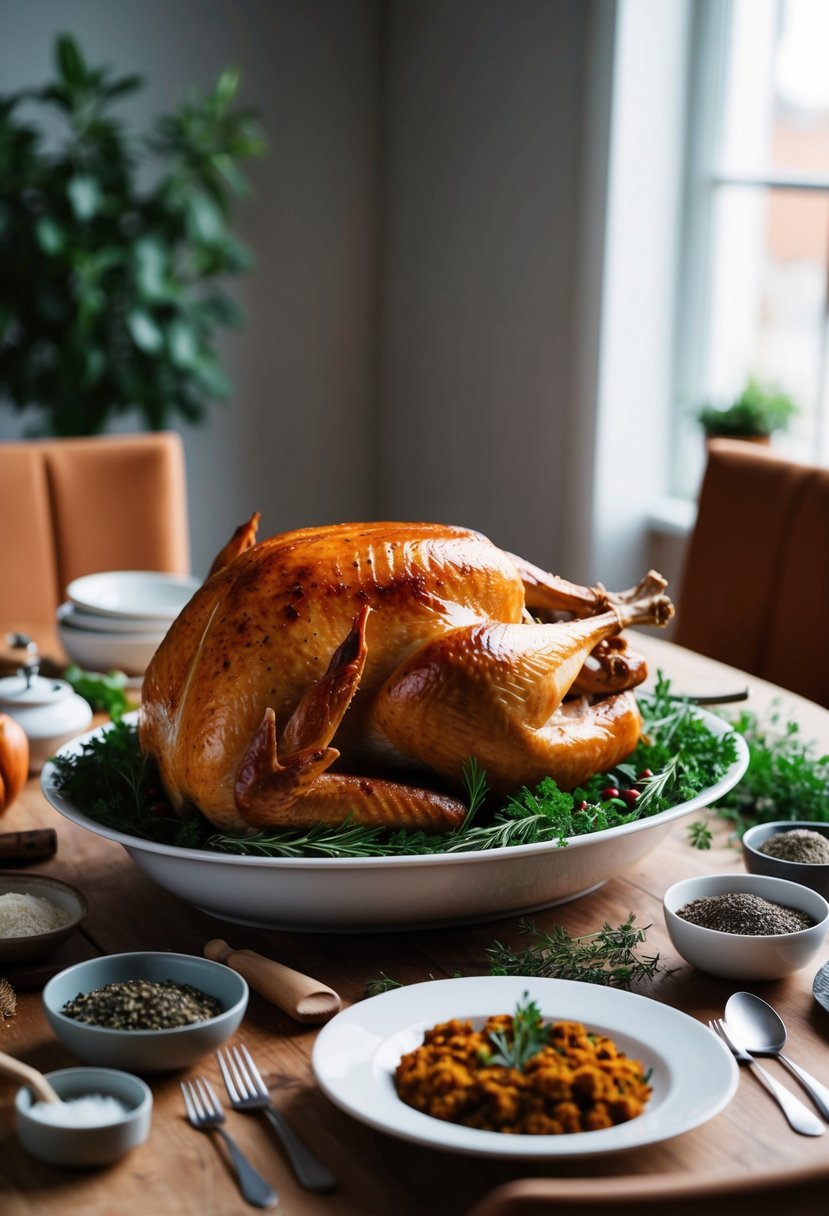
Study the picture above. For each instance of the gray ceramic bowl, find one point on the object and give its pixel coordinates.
(146, 1050)
(740, 956)
(80, 1147)
(814, 876)
(26, 949)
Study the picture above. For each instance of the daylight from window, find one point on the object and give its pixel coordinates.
(767, 223)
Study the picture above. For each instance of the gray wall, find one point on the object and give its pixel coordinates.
(411, 330)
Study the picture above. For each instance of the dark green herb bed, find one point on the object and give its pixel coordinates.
(678, 757)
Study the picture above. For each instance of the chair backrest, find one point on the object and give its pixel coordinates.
(755, 588)
(75, 506)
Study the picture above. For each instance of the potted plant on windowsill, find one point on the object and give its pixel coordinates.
(754, 416)
(112, 249)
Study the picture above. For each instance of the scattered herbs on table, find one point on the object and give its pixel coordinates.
(677, 757)
(787, 778)
(744, 913)
(142, 1005)
(608, 957)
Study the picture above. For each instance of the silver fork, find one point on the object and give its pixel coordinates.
(247, 1091)
(204, 1112)
(799, 1116)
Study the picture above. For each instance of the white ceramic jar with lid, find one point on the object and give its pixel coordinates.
(49, 711)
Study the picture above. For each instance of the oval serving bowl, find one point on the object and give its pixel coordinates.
(344, 895)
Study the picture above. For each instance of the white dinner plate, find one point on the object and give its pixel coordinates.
(133, 593)
(694, 1076)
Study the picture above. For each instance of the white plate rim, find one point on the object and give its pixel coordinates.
(684, 1051)
(76, 592)
(71, 812)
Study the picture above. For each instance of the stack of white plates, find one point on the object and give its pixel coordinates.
(116, 620)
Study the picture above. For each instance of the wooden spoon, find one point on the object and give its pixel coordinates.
(35, 1080)
(301, 997)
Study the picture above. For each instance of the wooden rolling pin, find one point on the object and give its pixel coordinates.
(302, 998)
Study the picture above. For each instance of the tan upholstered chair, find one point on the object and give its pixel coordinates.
(74, 506)
(755, 589)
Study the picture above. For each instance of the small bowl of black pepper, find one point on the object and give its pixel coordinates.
(145, 1011)
(745, 926)
(793, 848)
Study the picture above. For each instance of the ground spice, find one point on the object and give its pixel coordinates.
(798, 844)
(27, 915)
(142, 1005)
(741, 912)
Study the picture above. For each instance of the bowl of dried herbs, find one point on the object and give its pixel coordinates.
(145, 1011)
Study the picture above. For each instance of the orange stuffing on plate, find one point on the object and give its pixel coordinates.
(524, 1076)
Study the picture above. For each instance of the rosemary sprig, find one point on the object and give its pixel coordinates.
(526, 1037)
(608, 956)
(474, 778)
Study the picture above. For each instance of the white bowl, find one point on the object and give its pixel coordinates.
(343, 895)
(146, 1050)
(26, 949)
(132, 593)
(742, 956)
(809, 874)
(80, 1147)
(127, 652)
(77, 618)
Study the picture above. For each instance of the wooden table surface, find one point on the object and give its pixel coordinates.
(180, 1171)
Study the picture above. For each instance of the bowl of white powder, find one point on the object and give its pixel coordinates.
(37, 913)
(103, 1114)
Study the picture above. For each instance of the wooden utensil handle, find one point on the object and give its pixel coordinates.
(29, 1076)
(37, 844)
(303, 998)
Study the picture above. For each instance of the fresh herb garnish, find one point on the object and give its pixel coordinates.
(111, 781)
(677, 757)
(525, 1038)
(608, 956)
(786, 777)
(105, 691)
(474, 779)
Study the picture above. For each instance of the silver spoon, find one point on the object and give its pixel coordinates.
(763, 1032)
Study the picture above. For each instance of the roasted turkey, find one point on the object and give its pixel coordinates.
(423, 634)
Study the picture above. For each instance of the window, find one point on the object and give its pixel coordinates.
(753, 282)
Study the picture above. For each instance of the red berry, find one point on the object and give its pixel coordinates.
(582, 806)
(644, 775)
(161, 808)
(631, 797)
(610, 792)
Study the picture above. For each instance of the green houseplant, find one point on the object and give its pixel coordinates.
(757, 413)
(112, 248)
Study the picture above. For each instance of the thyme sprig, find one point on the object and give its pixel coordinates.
(609, 956)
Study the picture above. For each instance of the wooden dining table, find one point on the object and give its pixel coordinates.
(745, 1159)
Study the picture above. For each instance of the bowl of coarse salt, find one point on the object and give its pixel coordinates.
(37, 913)
(103, 1114)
